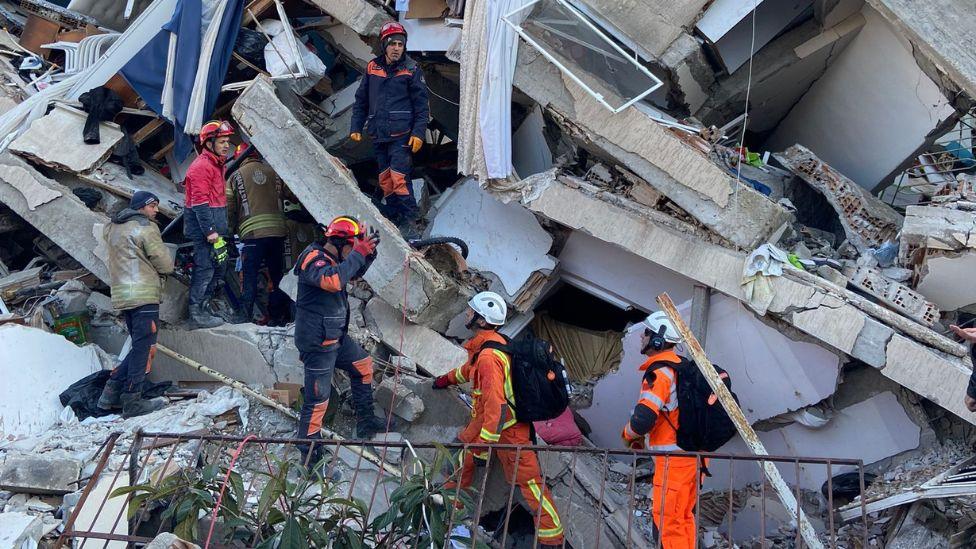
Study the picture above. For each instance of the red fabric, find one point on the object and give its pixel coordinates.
(561, 431)
(205, 181)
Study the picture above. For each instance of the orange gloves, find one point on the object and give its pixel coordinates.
(415, 143)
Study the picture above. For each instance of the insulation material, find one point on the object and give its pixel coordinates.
(280, 58)
(873, 429)
(36, 366)
(504, 239)
(587, 354)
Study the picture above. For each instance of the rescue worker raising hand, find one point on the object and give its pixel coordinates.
(654, 426)
(343, 253)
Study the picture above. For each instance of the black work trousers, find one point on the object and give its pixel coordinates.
(142, 323)
(346, 355)
(267, 251)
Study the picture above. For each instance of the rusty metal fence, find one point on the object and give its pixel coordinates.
(149, 456)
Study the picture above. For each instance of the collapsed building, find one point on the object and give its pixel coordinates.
(798, 177)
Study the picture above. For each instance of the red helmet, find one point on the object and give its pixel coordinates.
(241, 150)
(344, 226)
(214, 129)
(391, 28)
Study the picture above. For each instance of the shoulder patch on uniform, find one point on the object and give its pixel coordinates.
(320, 263)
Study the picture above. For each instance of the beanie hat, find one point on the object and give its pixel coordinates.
(392, 37)
(142, 198)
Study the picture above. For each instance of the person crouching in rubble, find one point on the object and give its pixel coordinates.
(391, 102)
(493, 419)
(137, 258)
(968, 335)
(343, 253)
(205, 219)
(675, 522)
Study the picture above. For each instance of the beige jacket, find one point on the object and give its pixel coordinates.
(136, 259)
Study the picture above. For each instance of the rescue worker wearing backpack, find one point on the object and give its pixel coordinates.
(654, 426)
(493, 418)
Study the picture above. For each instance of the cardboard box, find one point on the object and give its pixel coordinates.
(293, 391)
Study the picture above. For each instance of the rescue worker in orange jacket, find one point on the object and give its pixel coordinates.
(654, 426)
(493, 419)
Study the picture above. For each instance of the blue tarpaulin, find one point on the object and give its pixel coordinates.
(146, 71)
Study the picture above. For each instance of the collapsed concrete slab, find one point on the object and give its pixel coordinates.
(361, 16)
(686, 176)
(328, 189)
(941, 245)
(939, 31)
(68, 150)
(432, 352)
(35, 367)
(648, 25)
(40, 474)
(832, 315)
(867, 221)
(19, 530)
(255, 355)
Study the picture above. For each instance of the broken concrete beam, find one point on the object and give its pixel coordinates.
(65, 219)
(833, 317)
(646, 25)
(40, 474)
(630, 137)
(432, 352)
(252, 354)
(56, 140)
(935, 228)
(328, 189)
(928, 373)
(394, 394)
(867, 221)
(361, 16)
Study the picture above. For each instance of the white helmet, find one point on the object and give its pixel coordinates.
(490, 306)
(659, 319)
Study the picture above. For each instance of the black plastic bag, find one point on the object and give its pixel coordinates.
(83, 394)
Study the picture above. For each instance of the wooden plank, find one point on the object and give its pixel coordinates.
(746, 431)
(148, 130)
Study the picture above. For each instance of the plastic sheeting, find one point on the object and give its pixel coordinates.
(280, 58)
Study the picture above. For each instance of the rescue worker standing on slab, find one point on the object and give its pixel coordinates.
(255, 212)
(205, 219)
(137, 258)
(654, 426)
(493, 419)
(391, 103)
(343, 253)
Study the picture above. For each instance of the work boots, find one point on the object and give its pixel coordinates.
(368, 426)
(200, 318)
(319, 461)
(134, 405)
(111, 397)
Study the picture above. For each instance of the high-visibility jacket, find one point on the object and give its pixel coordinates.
(655, 417)
(136, 259)
(490, 372)
(254, 208)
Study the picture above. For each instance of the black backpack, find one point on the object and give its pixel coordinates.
(704, 425)
(540, 384)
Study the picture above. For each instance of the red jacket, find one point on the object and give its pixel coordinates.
(205, 197)
(205, 181)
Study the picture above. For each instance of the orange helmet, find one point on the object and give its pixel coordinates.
(344, 226)
(214, 129)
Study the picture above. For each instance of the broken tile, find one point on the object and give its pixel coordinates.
(69, 151)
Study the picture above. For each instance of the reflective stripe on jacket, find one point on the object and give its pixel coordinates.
(658, 401)
(136, 259)
(391, 100)
(490, 373)
(254, 207)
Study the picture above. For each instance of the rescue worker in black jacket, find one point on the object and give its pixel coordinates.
(391, 103)
(344, 253)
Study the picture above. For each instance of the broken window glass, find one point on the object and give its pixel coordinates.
(582, 51)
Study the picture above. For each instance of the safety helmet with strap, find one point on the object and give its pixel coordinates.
(658, 326)
(215, 129)
(344, 226)
(489, 306)
(390, 30)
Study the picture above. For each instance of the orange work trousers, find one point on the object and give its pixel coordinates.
(527, 476)
(675, 492)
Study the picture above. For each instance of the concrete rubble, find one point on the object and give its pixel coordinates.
(838, 133)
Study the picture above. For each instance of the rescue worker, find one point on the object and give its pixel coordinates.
(654, 426)
(391, 102)
(137, 258)
(968, 335)
(205, 219)
(344, 252)
(493, 419)
(255, 213)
